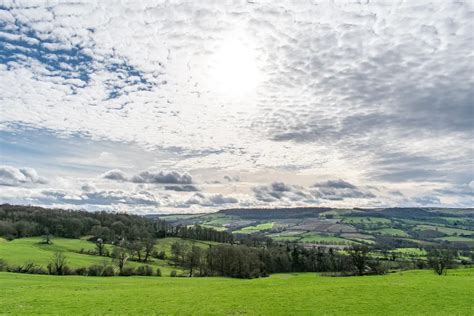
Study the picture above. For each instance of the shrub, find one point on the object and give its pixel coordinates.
(158, 272)
(94, 270)
(108, 271)
(3, 265)
(144, 270)
(127, 271)
(159, 255)
(377, 267)
(68, 271)
(27, 267)
(81, 271)
(173, 273)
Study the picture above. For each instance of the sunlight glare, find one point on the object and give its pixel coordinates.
(234, 70)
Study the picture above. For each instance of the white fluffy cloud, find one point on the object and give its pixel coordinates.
(379, 93)
(12, 176)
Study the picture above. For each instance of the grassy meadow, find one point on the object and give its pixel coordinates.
(23, 250)
(407, 293)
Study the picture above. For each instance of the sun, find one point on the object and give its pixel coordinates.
(234, 69)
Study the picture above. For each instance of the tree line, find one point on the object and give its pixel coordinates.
(26, 221)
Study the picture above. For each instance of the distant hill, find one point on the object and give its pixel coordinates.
(268, 213)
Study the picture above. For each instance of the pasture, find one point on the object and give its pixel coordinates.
(407, 293)
(23, 250)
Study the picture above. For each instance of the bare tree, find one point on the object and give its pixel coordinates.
(120, 255)
(57, 264)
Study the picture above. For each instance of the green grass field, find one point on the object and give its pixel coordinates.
(407, 293)
(165, 244)
(445, 230)
(366, 220)
(20, 251)
(316, 238)
(391, 232)
(256, 228)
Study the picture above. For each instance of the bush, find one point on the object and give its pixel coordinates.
(94, 270)
(144, 270)
(159, 255)
(377, 267)
(108, 271)
(3, 265)
(27, 267)
(68, 271)
(158, 272)
(173, 273)
(80, 271)
(127, 271)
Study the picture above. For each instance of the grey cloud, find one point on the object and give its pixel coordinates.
(337, 184)
(152, 177)
(115, 175)
(280, 191)
(210, 200)
(168, 177)
(12, 176)
(102, 197)
(466, 189)
(427, 200)
(181, 188)
(232, 178)
(338, 190)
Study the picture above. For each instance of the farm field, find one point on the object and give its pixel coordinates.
(383, 227)
(22, 250)
(253, 229)
(281, 294)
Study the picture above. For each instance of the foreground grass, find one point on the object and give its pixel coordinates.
(408, 293)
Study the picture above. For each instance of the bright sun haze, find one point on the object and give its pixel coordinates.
(234, 68)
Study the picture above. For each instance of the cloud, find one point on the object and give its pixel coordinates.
(427, 201)
(339, 190)
(212, 200)
(181, 188)
(232, 178)
(12, 176)
(153, 177)
(350, 90)
(281, 191)
(466, 189)
(331, 190)
(115, 175)
(168, 177)
(99, 197)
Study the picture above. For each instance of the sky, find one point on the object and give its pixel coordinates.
(196, 106)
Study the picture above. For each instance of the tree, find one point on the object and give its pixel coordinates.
(193, 259)
(135, 248)
(100, 246)
(46, 236)
(359, 257)
(149, 245)
(120, 255)
(440, 260)
(178, 251)
(57, 264)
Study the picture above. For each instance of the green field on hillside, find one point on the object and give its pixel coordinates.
(256, 228)
(317, 238)
(165, 244)
(407, 293)
(20, 251)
